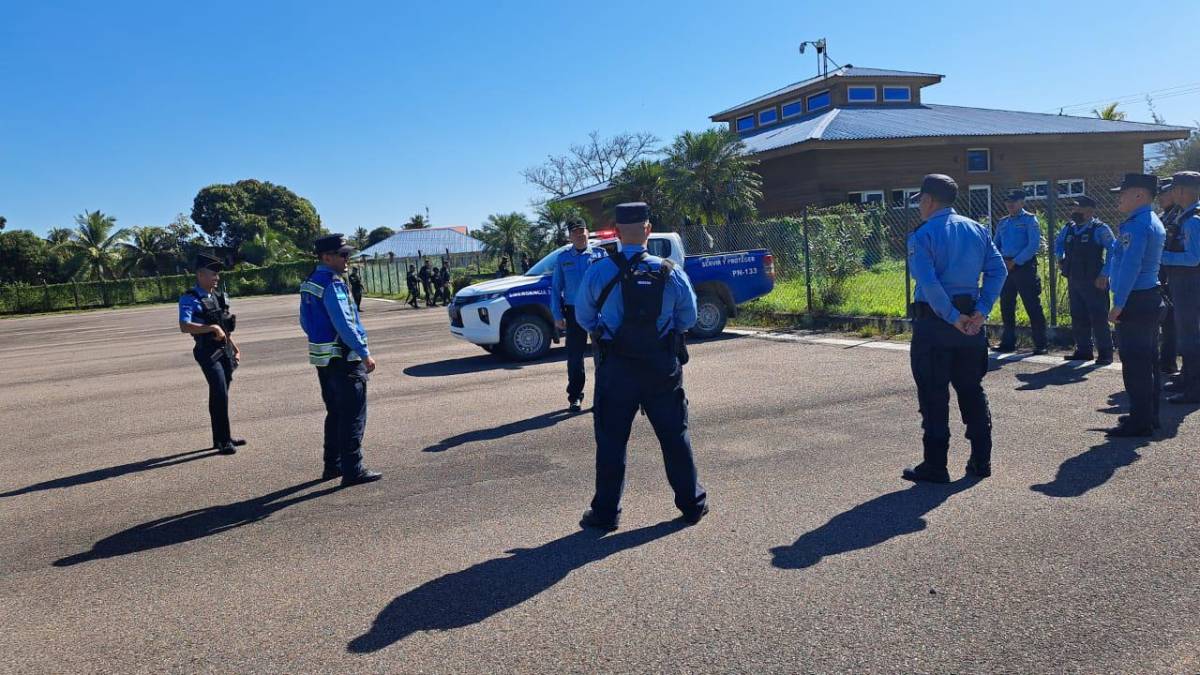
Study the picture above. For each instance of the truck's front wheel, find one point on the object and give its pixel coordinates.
(526, 338)
(711, 315)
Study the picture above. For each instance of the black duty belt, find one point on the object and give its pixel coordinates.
(965, 304)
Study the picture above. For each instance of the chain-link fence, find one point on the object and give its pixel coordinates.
(386, 275)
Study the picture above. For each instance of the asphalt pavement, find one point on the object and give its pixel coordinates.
(126, 545)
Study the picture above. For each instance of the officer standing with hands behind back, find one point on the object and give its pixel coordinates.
(947, 254)
(569, 267)
(1181, 261)
(1138, 303)
(637, 307)
(1084, 248)
(337, 346)
(204, 314)
(1019, 236)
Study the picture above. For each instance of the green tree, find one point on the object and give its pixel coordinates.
(379, 234)
(505, 234)
(269, 248)
(96, 242)
(709, 174)
(360, 238)
(550, 228)
(417, 222)
(1109, 112)
(23, 257)
(1182, 155)
(59, 235)
(185, 242)
(147, 251)
(3, 222)
(231, 214)
(646, 181)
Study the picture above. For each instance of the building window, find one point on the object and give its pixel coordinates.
(979, 160)
(901, 197)
(861, 94)
(745, 123)
(897, 94)
(768, 116)
(1036, 189)
(1072, 187)
(865, 197)
(819, 101)
(791, 109)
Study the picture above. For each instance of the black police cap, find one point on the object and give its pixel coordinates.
(632, 213)
(1015, 195)
(208, 262)
(1138, 180)
(1084, 201)
(333, 243)
(1165, 185)
(575, 224)
(1188, 179)
(939, 186)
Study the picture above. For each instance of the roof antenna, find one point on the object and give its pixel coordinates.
(823, 59)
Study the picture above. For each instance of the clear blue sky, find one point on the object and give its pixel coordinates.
(376, 110)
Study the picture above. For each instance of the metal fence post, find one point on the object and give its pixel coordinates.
(46, 291)
(1051, 203)
(808, 291)
(161, 295)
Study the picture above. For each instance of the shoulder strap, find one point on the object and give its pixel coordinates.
(192, 292)
(623, 264)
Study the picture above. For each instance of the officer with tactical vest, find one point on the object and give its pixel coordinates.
(1168, 349)
(1019, 236)
(1138, 303)
(1181, 260)
(569, 267)
(1084, 249)
(947, 255)
(337, 346)
(637, 307)
(204, 314)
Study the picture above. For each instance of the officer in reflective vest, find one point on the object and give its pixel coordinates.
(637, 308)
(1084, 248)
(1138, 303)
(1019, 236)
(1168, 349)
(569, 267)
(1181, 259)
(337, 346)
(204, 314)
(947, 255)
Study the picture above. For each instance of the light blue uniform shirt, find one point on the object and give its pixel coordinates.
(1138, 255)
(679, 300)
(946, 255)
(1019, 237)
(1190, 255)
(189, 305)
(569, 268)
(1104, 237)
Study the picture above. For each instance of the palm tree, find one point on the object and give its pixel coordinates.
(417, 222)
(646, 181)
(709, 173)
(550, 229)
(360, 238)
(269, 247)
(148, 247)
(95, 243)
(505, 234)
(3, 222)
(1109, 112)
(57, 236)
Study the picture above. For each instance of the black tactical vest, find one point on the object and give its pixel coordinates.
(642, 292)
(1174, 225)
(214, 309)
(1083, 258)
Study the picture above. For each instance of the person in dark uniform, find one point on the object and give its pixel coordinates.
(526, 263)
(637, 307)
(337, 346)
(356, 288)
(414, 289)
(1084, 249)
(444, 283)
(204, 314)
(569, 267)
(947, 255)
(1019, 237)
(503, 270)
(1168, 348)
(1181, 260)
(1138, 303)
(426, 277)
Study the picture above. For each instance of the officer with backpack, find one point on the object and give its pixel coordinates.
(1084, 248)
(204, 314)
(637, 307)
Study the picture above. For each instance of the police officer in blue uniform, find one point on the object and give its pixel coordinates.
(1084, 248)
(637, 307)
(204, 314)
(1138, 302)
(569, 268)
(1181, 260)
(1018, 236)
(1167, 346)
(337, 346)
(946, 255)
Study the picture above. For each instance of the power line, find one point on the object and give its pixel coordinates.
(1168, 92)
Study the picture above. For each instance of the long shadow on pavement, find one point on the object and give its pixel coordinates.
(478, 364)
(195, 524)
(98, 475)
(511, 428)
(483, 590)
(869, 524)
(1067, 373)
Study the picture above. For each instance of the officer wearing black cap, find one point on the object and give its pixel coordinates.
(337, 346)
(637, 307)
(204, 314)
(1019, 236)
(1181, 260)
(947, 255)
(1138, 302)
(569, 267)
(1168, 349)
(1084, 248)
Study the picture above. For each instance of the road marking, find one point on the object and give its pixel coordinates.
(383, 300)
(895, 346)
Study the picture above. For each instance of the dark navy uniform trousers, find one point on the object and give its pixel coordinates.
(219, 375)
(577, 340)
(622, 386)
(941, 356)
(1168, 347)
(1137, 332)
(1185, 287)
(1023, 280)
(1089, 317)
(344, 391)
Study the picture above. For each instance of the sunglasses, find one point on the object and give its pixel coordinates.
(343, 255)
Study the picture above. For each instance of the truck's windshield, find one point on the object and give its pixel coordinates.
(545, 265)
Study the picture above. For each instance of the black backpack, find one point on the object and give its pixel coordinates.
(642, 292)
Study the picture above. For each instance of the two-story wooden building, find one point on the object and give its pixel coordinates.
(867, 135)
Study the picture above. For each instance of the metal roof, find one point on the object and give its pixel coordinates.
(847, 71)
(431, 242)
(598, 187)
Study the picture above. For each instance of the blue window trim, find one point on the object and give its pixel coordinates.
(828, 100)
(799, 108)
(773, 112)
(872, 89)
(738, 123)
(987, 153)
(889, 97)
